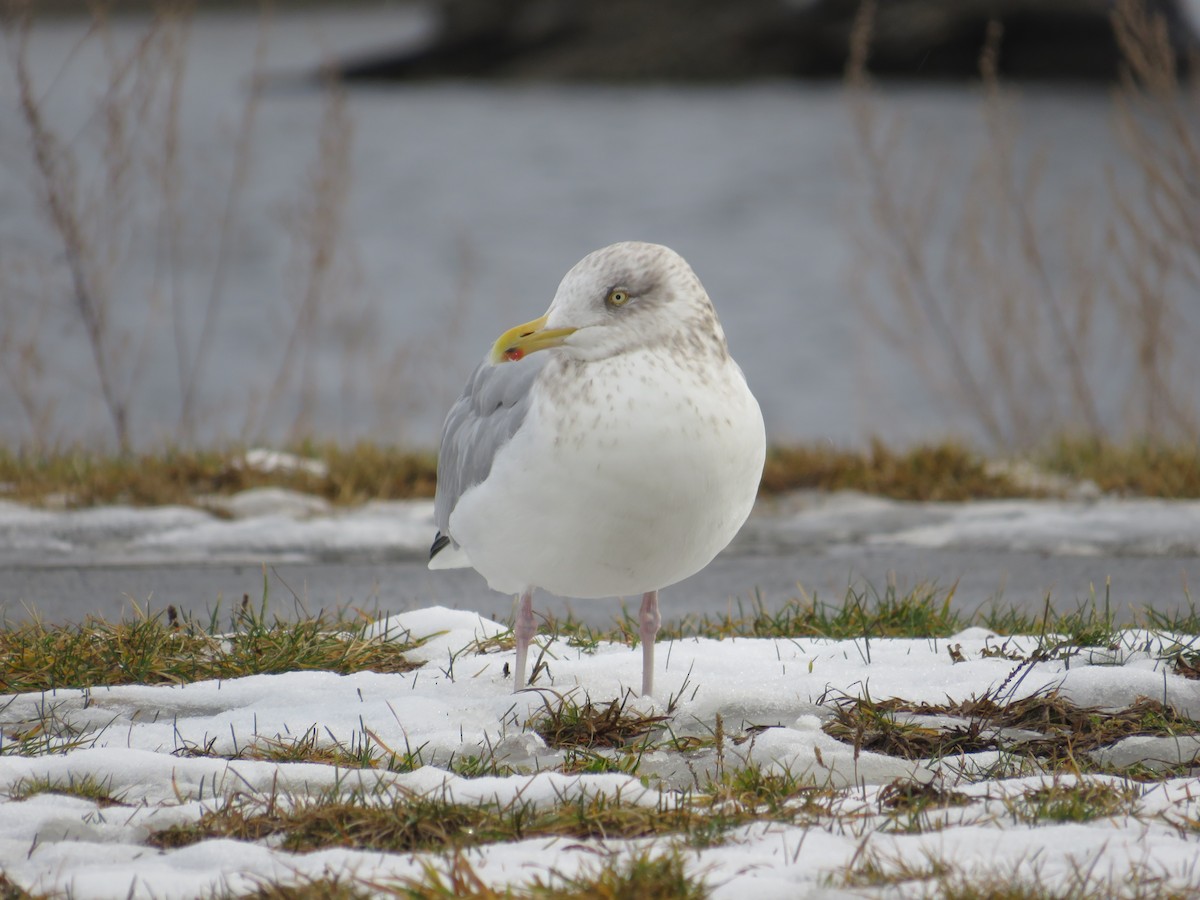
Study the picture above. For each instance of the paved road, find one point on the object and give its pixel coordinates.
(70, 592)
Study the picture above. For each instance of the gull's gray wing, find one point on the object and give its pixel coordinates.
(491, 409)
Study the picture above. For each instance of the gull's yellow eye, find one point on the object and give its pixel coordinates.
(617, 297)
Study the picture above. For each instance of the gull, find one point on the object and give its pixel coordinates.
(607, 449)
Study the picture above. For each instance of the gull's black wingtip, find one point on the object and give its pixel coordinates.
(439, 543)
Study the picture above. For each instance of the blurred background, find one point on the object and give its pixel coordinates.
(935, 218)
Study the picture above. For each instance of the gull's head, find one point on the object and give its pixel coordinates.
(620, 298)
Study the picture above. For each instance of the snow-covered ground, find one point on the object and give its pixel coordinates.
(138, 742)
(271, 524)
(165, 753)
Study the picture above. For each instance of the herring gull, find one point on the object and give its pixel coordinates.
(618, 462)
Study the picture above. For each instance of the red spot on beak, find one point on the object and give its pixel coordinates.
(513, 354)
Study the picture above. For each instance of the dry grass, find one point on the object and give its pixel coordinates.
(646, 875)
(565, 723)
(80, 478)
(394, 819)
(315, 889)
(1079, 801)
(368, 471)
(164, 650)
(1063, 731)
(86, 787)
(404, 822)
(1134, 469)
(935, 877)
(915, 797)
(10, 891)
(362, 751)
(946, 471)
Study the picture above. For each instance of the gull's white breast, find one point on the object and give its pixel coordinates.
(629, 474)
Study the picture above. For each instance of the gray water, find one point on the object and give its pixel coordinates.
(980, 578)
(464, 205)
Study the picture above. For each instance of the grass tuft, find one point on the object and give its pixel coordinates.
(86, 787)
(458, 880)
(404, 822)
(645, 875)
(396, 820)
(931, 876)
(566, 724)
(314, 889)
(10, 891)
(158, 650)
(924, 611)
(907, 795)
(363, 751)
(1045, 727)
(1081, 801)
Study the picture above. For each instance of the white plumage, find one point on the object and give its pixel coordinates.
(617, 462)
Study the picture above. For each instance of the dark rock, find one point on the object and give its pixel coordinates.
(685, 40)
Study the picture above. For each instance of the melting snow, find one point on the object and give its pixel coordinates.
(459, 704)
(270, 524)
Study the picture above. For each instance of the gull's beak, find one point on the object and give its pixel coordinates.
(528, 338)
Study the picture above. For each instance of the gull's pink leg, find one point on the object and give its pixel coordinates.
(524, 630)
(649, 620)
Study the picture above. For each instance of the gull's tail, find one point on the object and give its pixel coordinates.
(445, 554)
